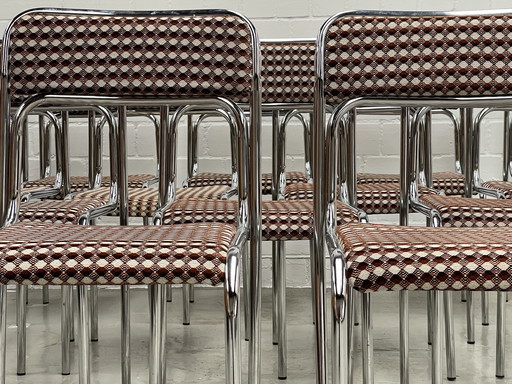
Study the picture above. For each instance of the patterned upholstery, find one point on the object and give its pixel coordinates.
(468, 212)
(417, 56)
(281, 219)
(59, 254)
(131, 55)
(394, 258)
(378, 198)
(63, 211)
(287, 72)
(452, 183)
(503, 186)
(143, 202)
(291, 178)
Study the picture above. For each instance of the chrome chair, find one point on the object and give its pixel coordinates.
(218, 246)
(402, 75)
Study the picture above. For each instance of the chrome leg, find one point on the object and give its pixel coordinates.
(485, 308)
(404, 337)
(71, 312)
(341, 326)
(451, 371)
(463, 296)
(186, 303)
(84, 337)
(192, 296)
(312, 271)
(275, 294)
(233, 363)
(168, 293)
(437, 341)
(281, 306)
(94, 313)
(429, 317)
(247, 297)
(46, 294)
(500, 335)
(145, 220)
(157, 342)
(22, 328)
(356, 299)
(3, 331)
(65, 314)
(367, 342)
(125, 335)
(470, 317)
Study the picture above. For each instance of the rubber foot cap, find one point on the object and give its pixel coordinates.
(451, 378)
(282, 378)
(471, 342)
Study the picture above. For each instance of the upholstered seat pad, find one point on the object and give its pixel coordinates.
(452, 183)
(63, 211)
(143, 202)
(57, 254)
(281, 219)
(371, 198)
(503, 186)
(394, 258)
(469, 212)
(81, 183)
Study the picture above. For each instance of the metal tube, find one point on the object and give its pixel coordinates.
(65, 328)
(275, 292)
(91, 120)
(125, 335)
(233, 363)
(356, 314)
(485, 307)
(94, 313)
(470, 317)
(3, 331)
(463, 296)
(168, 293)
(277, 148)
(84, 337)
(404, 337)
(192, 295)
(429, 317)
(247, 294)
(312, 273)
(281, 305)
(21, 329)
(186, 303)
(500, 335)
(71, 314)
(157, 343)
(367, 342)
(437, 341)
(506, 145)
(46, 294)
(449, 335)
(24, 152)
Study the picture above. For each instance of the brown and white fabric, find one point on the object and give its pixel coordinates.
(146, 55)
(417, 56)
(502, 186)
(210, 192)
(60, 254)
(206, 179)
(469, 212)
(451, 183)
(378, 198)
(394, 258)
(184, 211)
(62, 211)
(287, 71)
(291, 178)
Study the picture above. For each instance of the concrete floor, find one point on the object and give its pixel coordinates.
(196, 352)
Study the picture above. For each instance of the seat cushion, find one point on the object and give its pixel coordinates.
(81, 183)
(469, 212)
(205, 179)
(61, 254)
(503, 186)
(394, 258)
(63, 211)
(375, 198)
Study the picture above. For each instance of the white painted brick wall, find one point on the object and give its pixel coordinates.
(377, 144)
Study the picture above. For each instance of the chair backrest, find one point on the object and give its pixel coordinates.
(416, 55)
(288, 71)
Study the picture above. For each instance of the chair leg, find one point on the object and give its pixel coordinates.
(437, 340)
(356, 299)
(281, 306)
(463, 296)
(46, 294)
(341, 324)
(65, 328)
(158, 334)
(247, 293)
(168, 293)
(125, 335)
(485, 308)
(404, 337)
(71, 317)
(84, 337)
(275, 293)
(22, 328)
(449, 336)
(429, 317)
(192, 296)
(3, 331)
(312, 271)
(367, 342)
(186, 303)
(233, 362)
(500, 335)
(470, 318)
(94, 313)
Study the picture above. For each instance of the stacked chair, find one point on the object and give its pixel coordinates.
(370, 258)
(64, 254)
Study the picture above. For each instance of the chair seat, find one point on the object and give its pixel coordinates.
(503, 186)
(394, 258)
(281, 219)
(143, 202)
(452, 183)
(470, 212)
(375, 198)
(60, 254)
(63, 211)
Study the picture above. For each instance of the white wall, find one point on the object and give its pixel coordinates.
(377, 143)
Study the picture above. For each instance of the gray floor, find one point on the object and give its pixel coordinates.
(196, 353)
